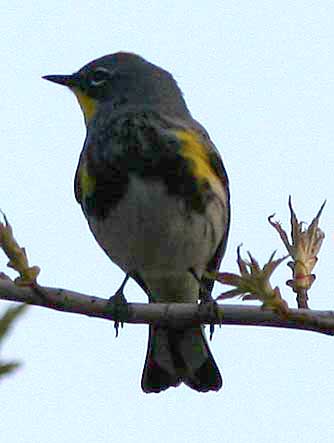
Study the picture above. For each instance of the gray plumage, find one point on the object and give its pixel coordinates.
(153, 216)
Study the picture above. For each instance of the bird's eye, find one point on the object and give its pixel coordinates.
(99, 77)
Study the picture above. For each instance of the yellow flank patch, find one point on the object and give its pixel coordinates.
(87, 182)
(193, 150)
(87, 104)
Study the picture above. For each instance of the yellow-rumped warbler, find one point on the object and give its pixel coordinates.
(155, 193)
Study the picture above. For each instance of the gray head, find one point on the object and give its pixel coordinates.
(124, 79)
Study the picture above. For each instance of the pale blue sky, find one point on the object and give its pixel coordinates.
(259, 76)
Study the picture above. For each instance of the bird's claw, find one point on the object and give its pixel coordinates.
(119, 308)
(211, 306)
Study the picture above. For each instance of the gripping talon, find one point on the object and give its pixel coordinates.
(118, 305)
(209, 303)
(206, 300)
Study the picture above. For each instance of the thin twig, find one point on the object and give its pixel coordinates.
(179, 314)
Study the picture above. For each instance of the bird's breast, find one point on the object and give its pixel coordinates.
(151, 230)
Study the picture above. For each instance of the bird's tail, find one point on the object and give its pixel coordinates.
(175, 356)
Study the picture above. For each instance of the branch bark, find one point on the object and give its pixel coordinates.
(175, 314)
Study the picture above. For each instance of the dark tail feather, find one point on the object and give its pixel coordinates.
(159, 370)
(202, 373)
(176, 356)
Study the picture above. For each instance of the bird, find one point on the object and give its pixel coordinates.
(155, 192)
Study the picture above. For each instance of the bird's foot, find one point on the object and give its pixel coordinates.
(211, 306)
(119, 306)
(207, 303)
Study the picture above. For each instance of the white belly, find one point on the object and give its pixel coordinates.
(150, 232)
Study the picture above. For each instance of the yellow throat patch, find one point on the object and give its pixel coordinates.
(87, 104)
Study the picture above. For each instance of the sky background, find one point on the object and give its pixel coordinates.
(260, 77)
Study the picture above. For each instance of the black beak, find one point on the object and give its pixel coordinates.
(65, 80)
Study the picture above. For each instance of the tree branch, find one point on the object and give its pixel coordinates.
(176, 314)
